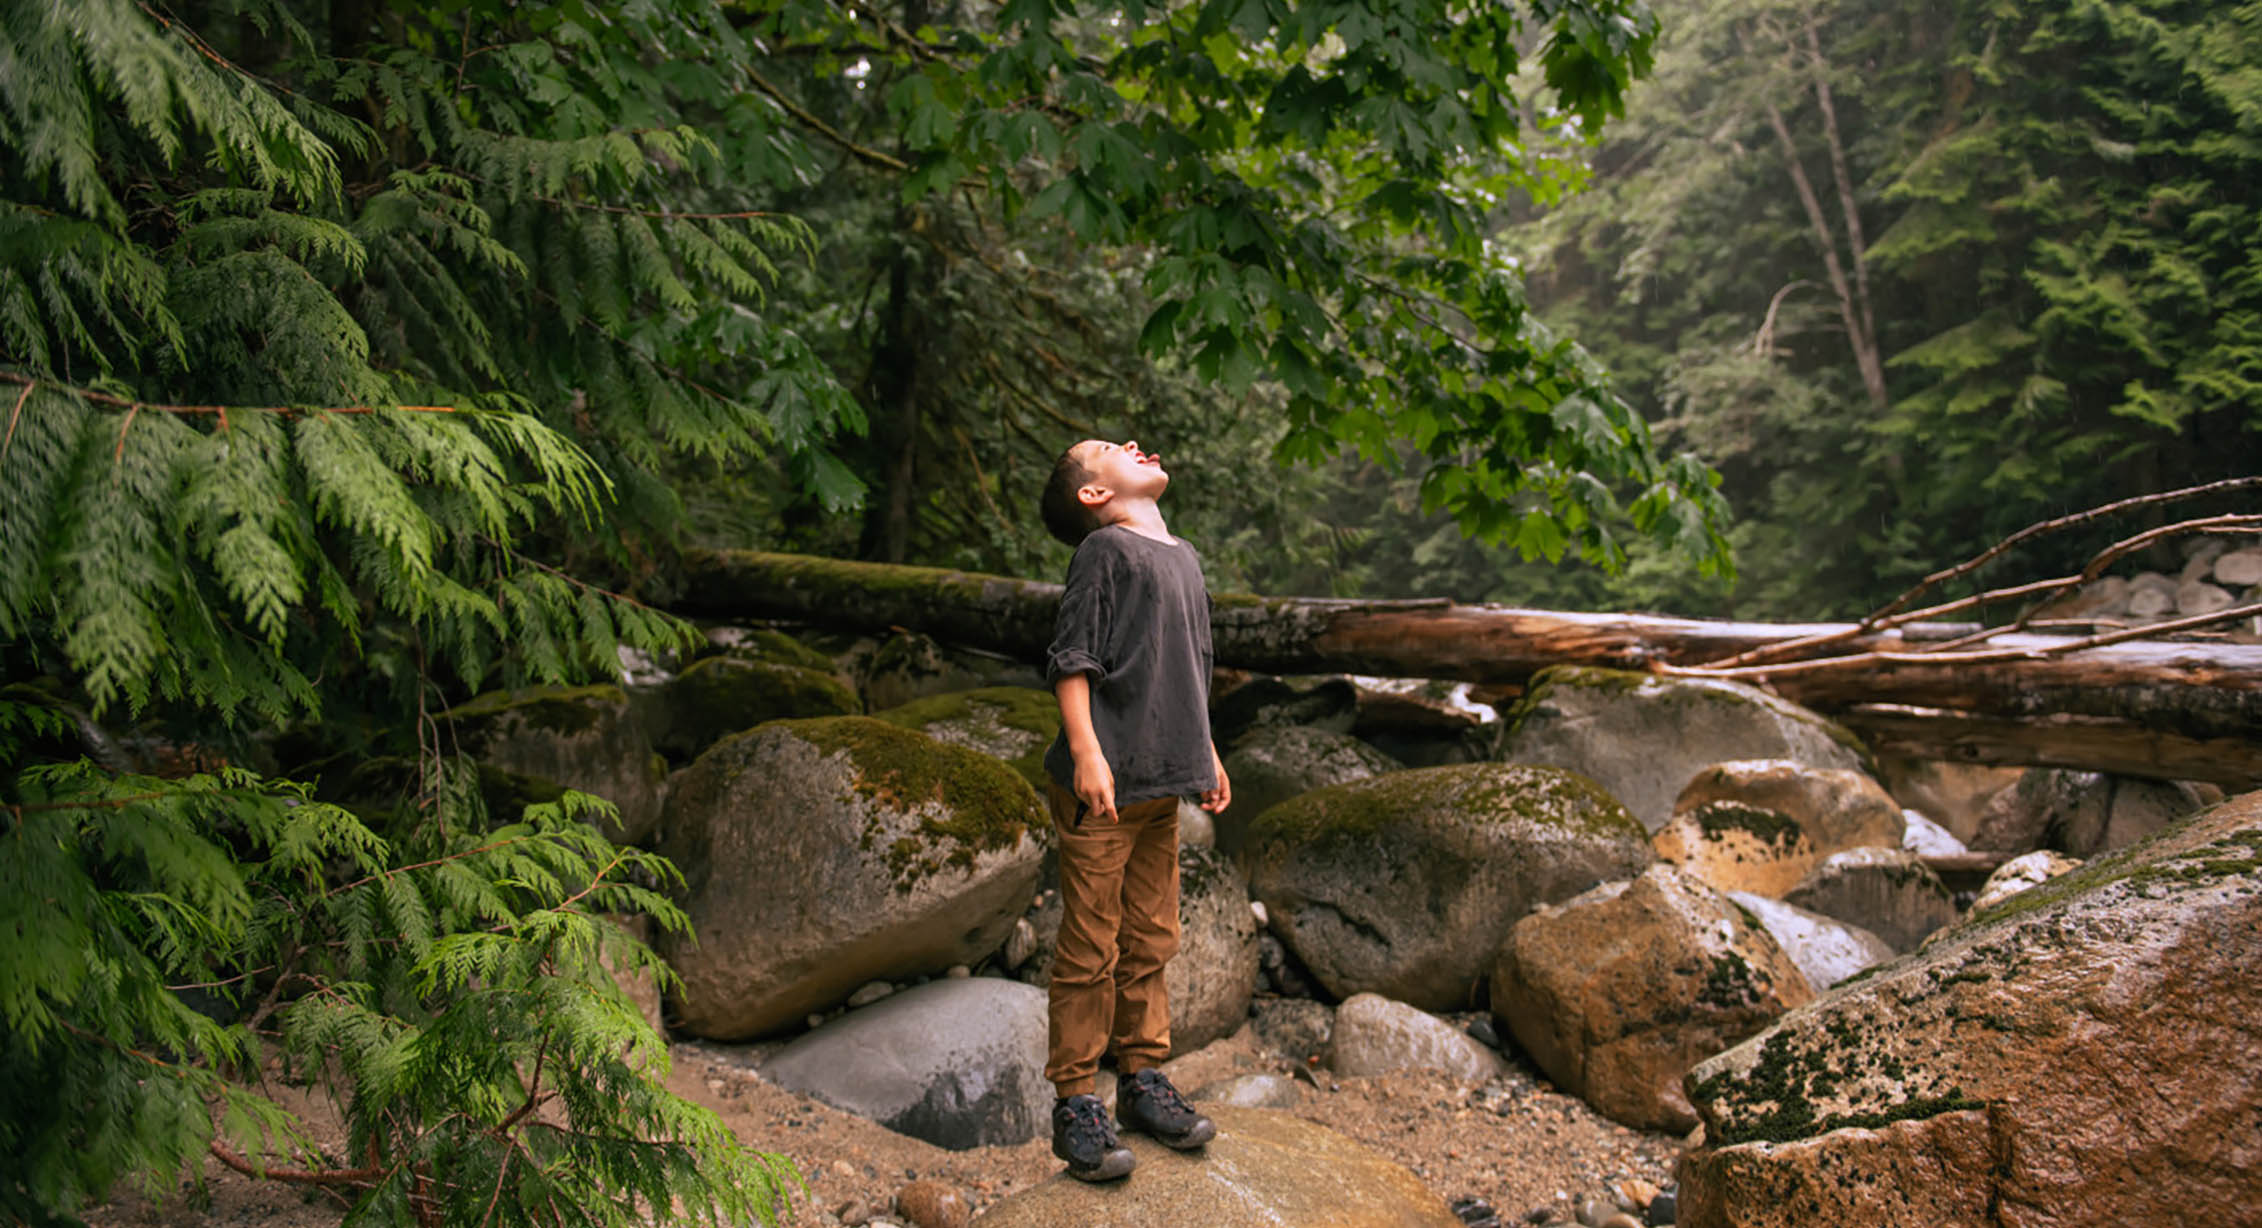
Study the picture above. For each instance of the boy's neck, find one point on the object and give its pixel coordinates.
(1141, 516)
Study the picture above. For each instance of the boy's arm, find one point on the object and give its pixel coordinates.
(1095, 781)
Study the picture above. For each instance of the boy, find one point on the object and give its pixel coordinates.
(1130, 664)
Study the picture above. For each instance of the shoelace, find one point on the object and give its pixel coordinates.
(1088, 1124)
(1164, 1095)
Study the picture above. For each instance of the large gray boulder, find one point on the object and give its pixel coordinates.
(1617, 992)
(1373, 1035)
(1214, 975)
(1276, 762)
(531, 744)
(823, 854)
(2086, 1052)
(1264, 1169)
(1643, 736)
(1888, 891)
(1405, 885)
(958, 1062)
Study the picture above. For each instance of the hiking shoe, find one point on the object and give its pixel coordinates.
(1083, 1136)
(1149, 1104)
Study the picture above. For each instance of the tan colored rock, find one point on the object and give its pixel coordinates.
(2200, 597)
(1953, 795)
(1738, 848)
(2086, 1052)
(932, 1204)
(822, 854)
(2020, 874)
(1930, 1173)
(2239, 568)
(1618, 992)
(1889, 892)
(1264, 1169)
(1837, 808)
(1374, 1035)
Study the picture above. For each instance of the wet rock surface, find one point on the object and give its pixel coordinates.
(2085, 1051)
(1888, 892)
(1617, 992)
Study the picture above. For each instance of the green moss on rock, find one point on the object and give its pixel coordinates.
(1020, 709)
(1775, 1101)
(563, 710)
(766, 644)
(984, 805)
(1766, 826)
(1477, 793)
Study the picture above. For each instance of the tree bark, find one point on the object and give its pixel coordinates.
(2152, 708)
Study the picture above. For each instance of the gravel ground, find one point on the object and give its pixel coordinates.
(1514, 1142)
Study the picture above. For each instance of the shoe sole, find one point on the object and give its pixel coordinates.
(1196, 1137)
(1114, 1167)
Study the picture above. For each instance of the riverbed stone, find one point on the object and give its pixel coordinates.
(2082, 814)
(1888, 891)
(957, 1062)
(1826, 949)
(1954, 795)
(2022, 873)
(908, 665)
(1295, 1028)
(769, 644)
(1406, 884)
(1264, 1169)
(1617, 992)
(1643, 736)
(1738, 848)
(531, 744)
(2085, 1052)
(1836, 808)
(1374, 1035)
(822, 854)
(1014, 724)
(717, 696)
(1276, 762)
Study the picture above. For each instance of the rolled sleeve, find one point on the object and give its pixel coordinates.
(1087, 609)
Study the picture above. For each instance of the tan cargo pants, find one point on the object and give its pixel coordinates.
(1118, 927)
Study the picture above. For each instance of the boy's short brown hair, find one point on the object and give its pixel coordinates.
(1066, 516)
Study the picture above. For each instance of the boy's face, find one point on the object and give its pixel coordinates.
(1114, 469)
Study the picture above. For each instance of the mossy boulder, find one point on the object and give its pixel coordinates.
(908, 666)
(1406, 884)
(2098, 1033)
(771, 645)
(1618, 991)
(1276, 762)
(1736, 847)
(1643, 736)
(1014, 724)
(822, 854)
(718, 696)
(532, 744)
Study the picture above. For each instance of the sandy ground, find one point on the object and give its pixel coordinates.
(1514, 1142)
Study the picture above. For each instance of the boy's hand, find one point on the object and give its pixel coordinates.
(1095, 787)
(1217, 797)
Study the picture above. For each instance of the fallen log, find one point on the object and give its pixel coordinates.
(2173, 709)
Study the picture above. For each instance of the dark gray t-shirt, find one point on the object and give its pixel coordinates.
(1136, 618)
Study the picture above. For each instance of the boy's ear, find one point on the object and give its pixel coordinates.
(1092, 494)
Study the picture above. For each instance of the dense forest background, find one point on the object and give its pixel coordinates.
(359, 357)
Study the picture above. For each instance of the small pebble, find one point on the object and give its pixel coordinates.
(842, 1168)
(1592, 1211)
(1619, 1220)
(852, 1213)
(1662, 1209)
(1258, 907)
(872, 992)
(931, 1204)
(815, 1022)
(1482, 1032)
(959, 972)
